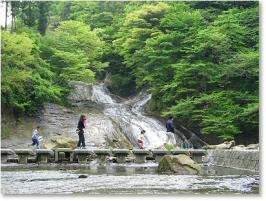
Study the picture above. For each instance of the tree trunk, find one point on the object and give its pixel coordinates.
(12, 19)
(6, 15)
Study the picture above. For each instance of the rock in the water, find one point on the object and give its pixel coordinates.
(239, 147)
(253, 146)
(60, 142)
(83, 176)
(224, 145)
(178, 164)
(243, 147)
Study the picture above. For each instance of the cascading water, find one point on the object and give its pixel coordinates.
(130, 117)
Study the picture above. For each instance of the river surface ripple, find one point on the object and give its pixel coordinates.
(123, 180)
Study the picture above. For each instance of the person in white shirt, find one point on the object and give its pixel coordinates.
(35, 137)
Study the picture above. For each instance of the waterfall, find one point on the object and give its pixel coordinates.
(130, 117)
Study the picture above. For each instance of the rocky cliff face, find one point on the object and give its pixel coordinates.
(100, 131)
(56, 120)
(111, 121)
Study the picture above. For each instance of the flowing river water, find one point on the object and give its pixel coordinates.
(125, 179)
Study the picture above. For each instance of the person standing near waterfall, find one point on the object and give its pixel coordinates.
(80, 127)
(170, 125)
(170, 131)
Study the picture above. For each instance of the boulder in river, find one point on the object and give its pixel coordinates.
(239, 147)
(83, 176)
(224, 145)
(60, 142)
(180, 164)
(253, 146)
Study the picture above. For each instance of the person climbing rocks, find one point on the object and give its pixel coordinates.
(80, 131)
(36, 137)
(141, 139)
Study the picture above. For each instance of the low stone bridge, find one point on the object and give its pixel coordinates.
(24, 156)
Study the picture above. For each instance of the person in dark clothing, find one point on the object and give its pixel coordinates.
(170, 125)
(80, 127)
(170, 131)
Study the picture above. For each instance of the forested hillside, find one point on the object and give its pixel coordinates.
(200, 60)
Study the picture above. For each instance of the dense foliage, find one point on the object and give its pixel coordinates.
(27, 80)
(200, 60)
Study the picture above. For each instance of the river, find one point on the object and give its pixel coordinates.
(125, 179)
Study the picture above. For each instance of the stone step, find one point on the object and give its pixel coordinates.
(140, 152)
(120, 152)
(82, 155)
(7, 152)
(23, 155)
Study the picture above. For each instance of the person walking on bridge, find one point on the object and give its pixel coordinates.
(80, 127)
(36, 137)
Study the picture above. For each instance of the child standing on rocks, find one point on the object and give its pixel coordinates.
(141, 139)
(36, 137)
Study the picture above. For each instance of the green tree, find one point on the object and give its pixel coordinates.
(138, 26)
(74, 51)
(43, 16)
(29, 13)
(216, 82)
(27, 80)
